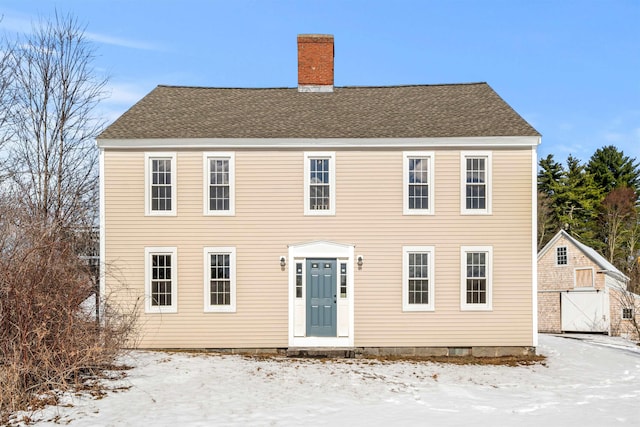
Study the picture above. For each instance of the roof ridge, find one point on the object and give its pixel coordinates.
(336, 87)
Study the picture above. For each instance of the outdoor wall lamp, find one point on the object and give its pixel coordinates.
(283, 261)
(360, 260)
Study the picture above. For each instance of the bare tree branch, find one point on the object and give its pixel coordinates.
(52, 125)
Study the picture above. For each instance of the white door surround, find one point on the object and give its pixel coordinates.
(343, 253)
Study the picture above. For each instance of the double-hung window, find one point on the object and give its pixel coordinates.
(417, 278)
(160, 184)
(418, 183)
(476, 271)
(476, 182)
(219, 183)
(220, 279)
(161, 286)
(319, 183)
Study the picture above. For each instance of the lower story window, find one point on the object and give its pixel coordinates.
(417, 278)
(220, 279)
(627, 313)
(161, 280)
(476, 277)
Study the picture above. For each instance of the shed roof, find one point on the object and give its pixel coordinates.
(420, 111)
(600, 261)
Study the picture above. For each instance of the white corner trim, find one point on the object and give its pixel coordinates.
(102, 232)
(534, 243)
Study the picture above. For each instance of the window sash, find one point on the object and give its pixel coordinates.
(161, 280)
(418, 182)
(476, 188)
(219, 184)
(418, 278)
(319, 184)
(161, 185)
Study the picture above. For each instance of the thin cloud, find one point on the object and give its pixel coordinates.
(117, 41)
(26, 26)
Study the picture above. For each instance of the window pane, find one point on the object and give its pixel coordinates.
(160, 280)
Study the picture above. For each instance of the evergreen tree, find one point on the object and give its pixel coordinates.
(577, 202)
(611, 169)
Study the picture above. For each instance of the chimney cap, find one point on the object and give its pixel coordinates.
(315, 37)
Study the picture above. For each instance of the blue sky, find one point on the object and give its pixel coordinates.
(571, 68)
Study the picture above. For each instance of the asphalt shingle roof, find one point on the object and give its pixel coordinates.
(453, 110)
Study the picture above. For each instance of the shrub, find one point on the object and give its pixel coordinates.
(49, 339)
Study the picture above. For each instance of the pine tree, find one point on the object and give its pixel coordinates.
(611, 169)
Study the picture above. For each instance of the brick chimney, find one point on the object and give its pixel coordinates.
(315, 63)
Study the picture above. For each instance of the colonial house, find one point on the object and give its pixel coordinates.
(395, 219)
(580, 291)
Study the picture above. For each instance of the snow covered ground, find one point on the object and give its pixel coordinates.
(587, 380)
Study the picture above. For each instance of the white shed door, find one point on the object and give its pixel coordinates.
(583, 312)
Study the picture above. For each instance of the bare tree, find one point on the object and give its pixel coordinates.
(52, 127)
(617, 214)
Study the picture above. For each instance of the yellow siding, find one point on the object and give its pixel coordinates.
(270, 216)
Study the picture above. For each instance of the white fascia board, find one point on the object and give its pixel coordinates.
(217, 143)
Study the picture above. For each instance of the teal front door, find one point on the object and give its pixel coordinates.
(321, 297)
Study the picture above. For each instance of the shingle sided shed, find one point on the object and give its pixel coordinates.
(580, 291)
(396, 219)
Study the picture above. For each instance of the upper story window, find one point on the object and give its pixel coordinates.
(161, 288)
(220, 279)
(160, 184)
(417, 278)
(561, 255)
(476, 182)
(418, 183)
(476, 286)
(319, 183)
(219, 185)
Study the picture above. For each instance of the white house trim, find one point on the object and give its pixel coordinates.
(322, 249)
(225, 143)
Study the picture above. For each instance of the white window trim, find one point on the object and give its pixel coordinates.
(230, 156)
(406, 250)
(331, 155)
(227, 250)
(405, 182)
(622, 309)
(463, 183)
(575, 277)
(148, 252)
(148, 157)
(566, 254)
(464, 306)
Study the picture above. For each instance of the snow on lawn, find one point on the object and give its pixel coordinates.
(590, 381)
